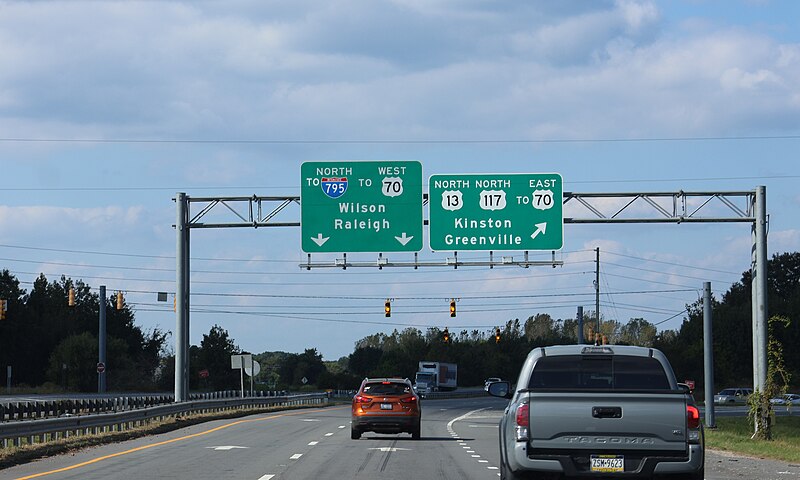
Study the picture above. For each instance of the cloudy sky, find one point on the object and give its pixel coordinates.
(108, 109)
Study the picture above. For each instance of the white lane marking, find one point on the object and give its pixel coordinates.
(311, 444)
(266, 477)
(483, 426)
(226, 447)
(329, 434)
(342, 426)
(493, 468)
(309, 420)
(391, 449)
(295, 456)
(475, 456)
(483, 461)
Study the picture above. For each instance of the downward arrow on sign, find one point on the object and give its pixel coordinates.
(404, 239)
(319, 239)
(540, 228)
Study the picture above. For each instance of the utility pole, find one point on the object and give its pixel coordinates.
(580, 326)
(708, 356)
(597, 286)
(101, 334)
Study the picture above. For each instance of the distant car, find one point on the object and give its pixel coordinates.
(488, 381)
(386, 405)
(733, 395)
(788, 399)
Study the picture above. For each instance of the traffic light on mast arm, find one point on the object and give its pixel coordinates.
(453, 307)
(3, 308)
(71, 297)
(497, 335)
(119, 301)
(446, 335)
(387, 308)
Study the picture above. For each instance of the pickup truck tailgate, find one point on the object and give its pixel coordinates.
(607, 421)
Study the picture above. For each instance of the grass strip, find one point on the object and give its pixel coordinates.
(733, 435)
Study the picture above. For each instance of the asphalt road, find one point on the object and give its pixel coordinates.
(459, 442)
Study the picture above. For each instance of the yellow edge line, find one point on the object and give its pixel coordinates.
(165, 442)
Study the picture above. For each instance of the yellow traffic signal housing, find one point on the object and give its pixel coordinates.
(497, 335)
(387, 308)
(452, 308)
(119, 300)
(446, 336)
(3, 308)
(71, 297)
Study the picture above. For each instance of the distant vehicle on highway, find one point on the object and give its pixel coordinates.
(733, 395)
(386, 405)
(788, 399)
(490, 380)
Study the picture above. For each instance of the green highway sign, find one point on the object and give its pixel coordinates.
(361, 206)
(496, 212)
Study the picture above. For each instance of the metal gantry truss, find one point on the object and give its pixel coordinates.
(257, 211)
(748, 206)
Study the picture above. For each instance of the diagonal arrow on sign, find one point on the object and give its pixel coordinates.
(540, 228)
(319, 239)
(404, 239)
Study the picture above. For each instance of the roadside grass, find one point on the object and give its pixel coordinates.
(733, 435)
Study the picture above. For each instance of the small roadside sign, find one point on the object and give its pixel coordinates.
(101, 367)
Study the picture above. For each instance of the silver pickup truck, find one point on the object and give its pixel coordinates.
(585, 411)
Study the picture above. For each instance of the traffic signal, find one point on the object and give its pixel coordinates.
(119, 300)
(446, 335)
(387, 308)
(71, 297)
(3, 308)
(497, 335)
(453, 307)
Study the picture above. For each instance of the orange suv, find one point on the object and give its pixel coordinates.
(386, 405)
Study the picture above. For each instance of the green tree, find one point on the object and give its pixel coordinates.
(214, 355)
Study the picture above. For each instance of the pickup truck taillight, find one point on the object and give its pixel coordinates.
(692, 417)
(523, 421)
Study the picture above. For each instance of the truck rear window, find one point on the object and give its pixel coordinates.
(608, 372)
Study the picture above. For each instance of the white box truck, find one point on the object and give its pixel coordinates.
(436, 376)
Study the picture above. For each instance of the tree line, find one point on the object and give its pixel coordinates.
(49, 342)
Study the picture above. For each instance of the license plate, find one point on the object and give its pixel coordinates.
(386, 406)
(608, 463)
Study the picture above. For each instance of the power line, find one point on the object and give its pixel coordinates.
(499, 141)
(694, 267)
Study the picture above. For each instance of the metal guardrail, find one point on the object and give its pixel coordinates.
(35, 409)
(43, 430)
(454, 394)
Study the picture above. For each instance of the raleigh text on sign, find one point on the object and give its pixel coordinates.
(496, 212)
(366, 206)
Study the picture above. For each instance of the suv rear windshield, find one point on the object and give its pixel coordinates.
(610, 372)
(386, 388)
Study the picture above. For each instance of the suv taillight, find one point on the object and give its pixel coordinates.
(408, 399)
(523, 421)
(362, 399)
(692, 417)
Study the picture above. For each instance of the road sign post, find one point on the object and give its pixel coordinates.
(496, 212)
(361, 206)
